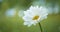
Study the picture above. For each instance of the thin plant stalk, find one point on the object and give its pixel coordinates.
(40, 27)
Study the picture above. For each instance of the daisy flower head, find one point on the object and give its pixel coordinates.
(34, 15)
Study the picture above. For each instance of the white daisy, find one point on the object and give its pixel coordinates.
(34, 15)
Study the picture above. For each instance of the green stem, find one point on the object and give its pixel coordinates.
(40, 27)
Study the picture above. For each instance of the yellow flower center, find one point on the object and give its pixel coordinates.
(35, 17)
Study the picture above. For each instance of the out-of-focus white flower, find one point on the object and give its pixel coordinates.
(1, 0)
(21, 13)
(10, 12)
(34, 15)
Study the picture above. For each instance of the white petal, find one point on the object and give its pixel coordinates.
(29, 25)
(28, 13)
(27, 18)
(43, 17)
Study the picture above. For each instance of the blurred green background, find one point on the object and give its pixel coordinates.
(14, 23)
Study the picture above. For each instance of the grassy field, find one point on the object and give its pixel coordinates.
(15, 24)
